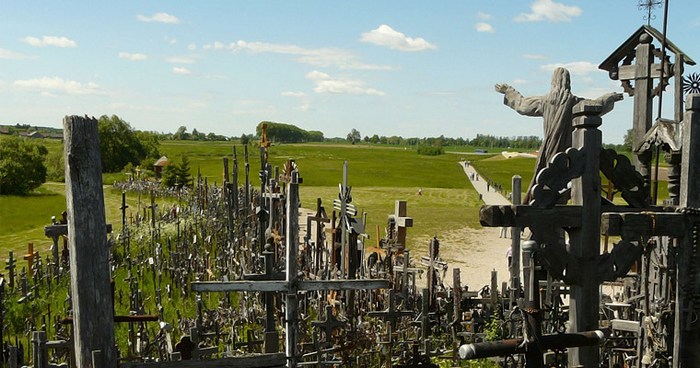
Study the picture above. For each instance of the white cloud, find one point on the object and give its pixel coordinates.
(484, 16)
(327, 84)
(534, 56)
(484, 27)
(48, 85)
(576, 67)
(519, 81)
(293, 94)
(159, 18)
(50, 41)
(181, 71)
(395, 40)
(323, 57)
(549, 10)
(132, 57)
(180, 60)
(7, 54)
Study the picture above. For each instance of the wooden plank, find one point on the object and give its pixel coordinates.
(625, 325)
(643, 224)
(524, 216)
(629, 72)
(255, 361)
(216, 286)
(62, 229)
(343, 285)
(89, 250)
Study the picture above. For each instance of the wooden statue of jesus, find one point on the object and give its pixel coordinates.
(556, 108)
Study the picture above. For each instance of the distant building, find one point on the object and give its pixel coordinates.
(35, 135)
(4, 130)
(159, 165)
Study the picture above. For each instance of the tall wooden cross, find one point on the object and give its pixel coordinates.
(292, 284)
(683, 225)
(576, 263)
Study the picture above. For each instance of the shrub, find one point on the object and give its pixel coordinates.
(430, 150)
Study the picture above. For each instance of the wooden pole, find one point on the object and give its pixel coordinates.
(585, 241)
(687, 326)
(515, 277)
(292, 278)
(643, 107)
(87, 239)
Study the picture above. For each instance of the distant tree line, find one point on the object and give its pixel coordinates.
(481, 140)
(181, 134)
(288, 133)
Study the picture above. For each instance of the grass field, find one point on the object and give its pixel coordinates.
(379, 175)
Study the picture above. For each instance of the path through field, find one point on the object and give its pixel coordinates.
(476, 252)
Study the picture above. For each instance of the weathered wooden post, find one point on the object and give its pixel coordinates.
(515, 242)
(89, 251)
(687, 326)
(292, 277)
(585, 241)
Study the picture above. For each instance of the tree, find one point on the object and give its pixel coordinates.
(55, 166)
(177, 175)
(627, 140)
(354, 136)
(21, 165)
(181, 133)
(244, 139)
(120, 144)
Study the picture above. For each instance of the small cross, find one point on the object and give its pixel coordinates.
(29, 257)
(10, 267)
(649, 6)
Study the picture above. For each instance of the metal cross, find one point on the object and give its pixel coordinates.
(649, 6)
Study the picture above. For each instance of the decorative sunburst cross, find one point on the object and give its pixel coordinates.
(649, 6)
(691, 83)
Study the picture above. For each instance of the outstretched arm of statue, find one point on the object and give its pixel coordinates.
(530, 106)
(608, 101)
(502, 88)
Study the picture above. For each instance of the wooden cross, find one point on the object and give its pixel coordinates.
(320, 218)
(574, 265)
(29, 257)
(391, 315)
(271, 334)
(684, 225)
(291, 285)
(401, 221)
(26, 294)
(123, 208)
(10, 267)
(250, 343)
(329, 324)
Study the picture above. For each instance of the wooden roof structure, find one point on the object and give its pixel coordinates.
(611, 62)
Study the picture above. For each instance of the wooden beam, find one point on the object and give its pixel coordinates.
(255, 361)
(524, 216)
(645, 224)
(283, 286)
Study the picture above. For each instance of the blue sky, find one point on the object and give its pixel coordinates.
(408, 68)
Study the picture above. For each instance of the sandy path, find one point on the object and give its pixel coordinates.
(476, 252)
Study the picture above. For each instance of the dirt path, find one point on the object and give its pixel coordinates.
(476, 252)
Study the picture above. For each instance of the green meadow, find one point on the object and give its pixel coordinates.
(379, 175)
